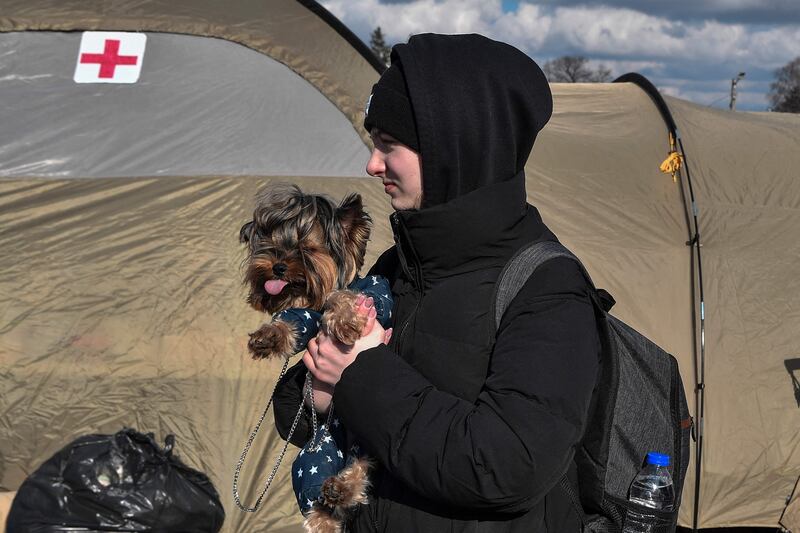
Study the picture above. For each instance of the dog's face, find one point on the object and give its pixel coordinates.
(302, 247)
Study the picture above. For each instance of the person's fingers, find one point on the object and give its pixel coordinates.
(363, 305)
(364, 310)
(370, 323)
(316, 360)
(313, 347)
(320, 339)
(308, 360)
(328, 349)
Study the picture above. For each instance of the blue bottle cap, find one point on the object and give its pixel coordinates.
(658, 459)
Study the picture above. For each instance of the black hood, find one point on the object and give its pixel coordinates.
(478, 105)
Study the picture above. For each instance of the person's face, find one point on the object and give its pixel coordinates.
(399, 168)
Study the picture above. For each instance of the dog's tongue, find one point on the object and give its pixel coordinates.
(274, 286)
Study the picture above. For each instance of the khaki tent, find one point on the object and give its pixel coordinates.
(120, 295)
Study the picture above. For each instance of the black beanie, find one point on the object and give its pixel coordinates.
(389, 108)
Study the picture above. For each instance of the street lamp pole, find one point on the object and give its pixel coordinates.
(734, 82)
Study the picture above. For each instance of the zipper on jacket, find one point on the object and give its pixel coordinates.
(402, 242)
(396, 229)
(413, 270)
(405, 324)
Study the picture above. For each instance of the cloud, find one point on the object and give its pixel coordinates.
(401, 19)
(619, 67)
(627, 34)
(621, 38)
(729, 11)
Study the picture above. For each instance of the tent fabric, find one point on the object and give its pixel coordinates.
(125, 292)
(121, 301)
(121, 304)
(748, 200)
(222, 109)
(594, 174)
(285, 30)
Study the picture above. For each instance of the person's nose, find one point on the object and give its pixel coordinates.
(376, 166)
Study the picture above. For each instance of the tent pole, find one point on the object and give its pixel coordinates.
(694, 241)
(701, 383)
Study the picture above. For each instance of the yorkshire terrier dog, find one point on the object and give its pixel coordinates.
(304, 254)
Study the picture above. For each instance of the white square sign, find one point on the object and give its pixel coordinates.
(110, 57)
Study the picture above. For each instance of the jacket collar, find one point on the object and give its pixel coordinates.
(479, 230)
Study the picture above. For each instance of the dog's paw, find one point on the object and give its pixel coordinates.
(348, 488)
(320, 520)
(340, 319)
(274, 339)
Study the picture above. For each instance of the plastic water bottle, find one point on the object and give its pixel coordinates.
(652, 487)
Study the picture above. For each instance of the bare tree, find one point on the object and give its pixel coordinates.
(575, 69)
(379, 47)
(784, 92)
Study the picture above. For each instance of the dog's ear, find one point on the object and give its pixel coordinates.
(244, 233)
(356, 225)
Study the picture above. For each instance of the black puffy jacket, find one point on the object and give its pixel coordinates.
(471, 428)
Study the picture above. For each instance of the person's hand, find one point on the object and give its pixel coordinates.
(326, 357)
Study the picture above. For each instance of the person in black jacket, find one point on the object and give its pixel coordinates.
(471, 428)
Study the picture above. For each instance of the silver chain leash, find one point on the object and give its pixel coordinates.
(237, 471)
(309, 391)
(309, 394)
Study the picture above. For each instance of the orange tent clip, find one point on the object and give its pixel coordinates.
(673, 162)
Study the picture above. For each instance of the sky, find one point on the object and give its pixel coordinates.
(688, 48)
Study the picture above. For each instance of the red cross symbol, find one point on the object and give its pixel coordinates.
(109, 59)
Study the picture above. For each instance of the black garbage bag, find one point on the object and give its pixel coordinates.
(120, 482)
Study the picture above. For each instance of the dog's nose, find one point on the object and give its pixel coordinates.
(279, 269)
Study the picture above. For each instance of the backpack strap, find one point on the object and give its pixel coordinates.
(521, 267)
(511, 280)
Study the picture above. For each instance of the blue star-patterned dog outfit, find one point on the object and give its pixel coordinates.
(306, 321)
(322, 457)
(327, 452)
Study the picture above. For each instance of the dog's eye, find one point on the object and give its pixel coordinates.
(264, 247)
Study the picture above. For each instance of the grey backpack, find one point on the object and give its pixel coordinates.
(638, 406)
